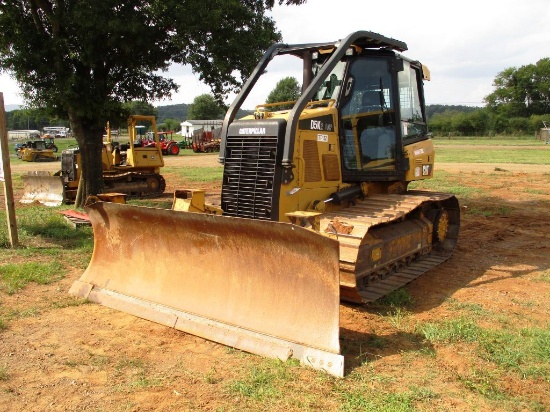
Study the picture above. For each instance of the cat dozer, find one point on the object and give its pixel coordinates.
(315, 208)
(127, 169)
(36, 151)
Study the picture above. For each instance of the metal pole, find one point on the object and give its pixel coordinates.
(5, 176)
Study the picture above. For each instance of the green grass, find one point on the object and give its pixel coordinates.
(197, 174)
(397, 298)
(543, 277)
(263, 382)
(483, 382)
(525, 351)
(471, 308)
(461, 329)
(9, 314)
(134, 374)
(14, 276)
(48, 248)
(61, 144)
(491, 155)
(363, 399)
(446, 182)
(4, 375)
(490, 355)
(159, 204)
(488, 210)
(44, 231)
(486, 141)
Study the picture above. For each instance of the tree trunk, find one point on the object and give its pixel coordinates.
(89, 136)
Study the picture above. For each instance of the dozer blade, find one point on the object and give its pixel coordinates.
(43, 188)
(267, 288)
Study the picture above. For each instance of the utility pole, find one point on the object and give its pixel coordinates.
(5, 176)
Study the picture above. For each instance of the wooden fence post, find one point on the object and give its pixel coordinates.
(5, 176)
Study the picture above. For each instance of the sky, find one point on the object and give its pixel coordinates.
(465, 44)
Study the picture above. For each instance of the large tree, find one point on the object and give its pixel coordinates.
(287, 89)
(82, 59)
(522, 92)
(205, 107)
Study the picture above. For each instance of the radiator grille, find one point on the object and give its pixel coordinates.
(249, 174)
(311, 159)
(331, 167)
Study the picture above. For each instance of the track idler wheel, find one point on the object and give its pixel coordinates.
(153, 184)
(440, 220)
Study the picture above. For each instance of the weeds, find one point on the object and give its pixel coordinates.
(397, 298)
(4, 375)
(445, 182)
(212, 377)
(483, 382)
(491, 155)
(134, 372)
(197, 174)
(472, 308)
(524, 351)
(363, 399)
(450, 331)
(14, 277)
(398, 318)
(489, 210)
(543, 277)
(263, 382)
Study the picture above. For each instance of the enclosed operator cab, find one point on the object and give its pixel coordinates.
(359, 126)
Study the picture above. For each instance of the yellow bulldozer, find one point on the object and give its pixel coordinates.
(315, 208)
(36, 151)
(127, 169)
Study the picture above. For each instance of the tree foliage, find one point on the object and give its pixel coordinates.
(34, 119)
(518, 105)
(170, 124)
(523, 91)
(81, 59)
(205, 107)
(286, 90)
(140, 107)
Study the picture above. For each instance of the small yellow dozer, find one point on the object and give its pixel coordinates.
(127, 169)
(315, 207)
(36, 151)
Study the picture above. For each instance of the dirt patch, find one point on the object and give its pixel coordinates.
(88, 357)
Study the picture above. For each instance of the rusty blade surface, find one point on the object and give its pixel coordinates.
(43, 188)
(272, 279)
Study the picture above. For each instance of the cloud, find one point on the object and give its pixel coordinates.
(465, 44)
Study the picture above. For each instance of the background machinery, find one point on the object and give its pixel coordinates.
(36, 151)
(206, 141)
(127, 169)
(315, 207)
(168, 144)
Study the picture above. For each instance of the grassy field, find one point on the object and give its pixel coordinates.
(485, 141)
(458, 354)
(65, 143)
(492, 151)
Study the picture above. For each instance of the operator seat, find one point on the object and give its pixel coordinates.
(377, 140)
(370, 101)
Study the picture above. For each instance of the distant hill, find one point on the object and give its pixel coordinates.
(11, 107)
(179, 112)
(432, 109)
(172, 111)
